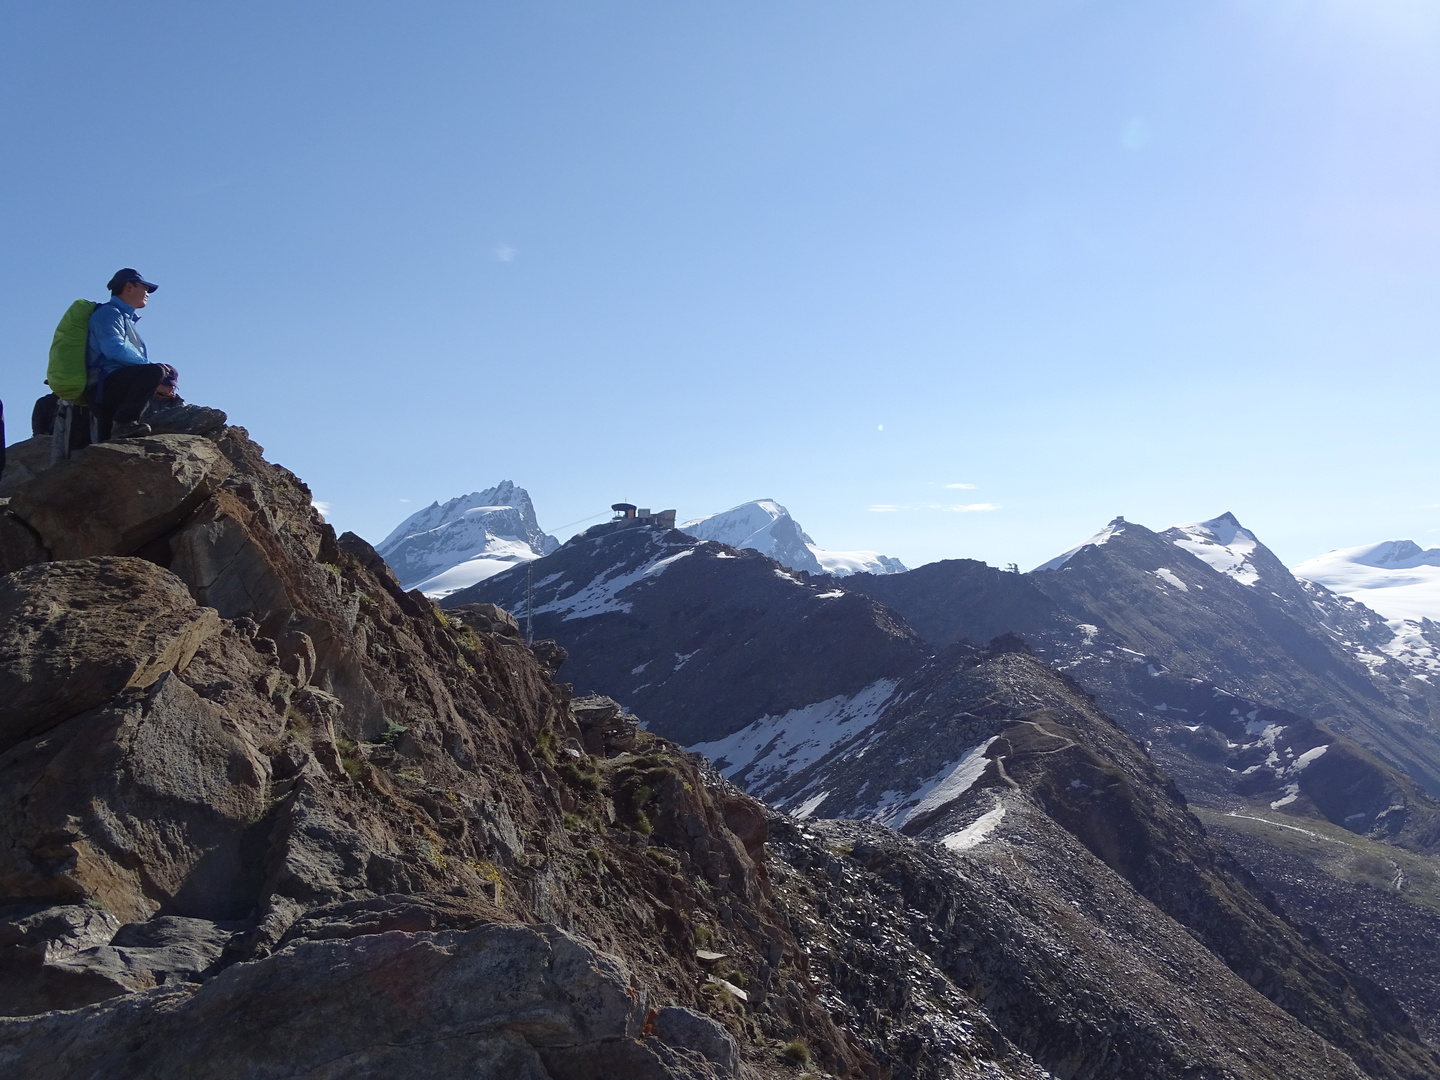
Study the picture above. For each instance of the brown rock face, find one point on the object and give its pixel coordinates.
(114, 498)
(328, 759)
(139, 805)
(73, 635)
(218, 554)
(19, 546)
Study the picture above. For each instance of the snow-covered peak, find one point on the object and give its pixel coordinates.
(448, 546)
(1223, 543)
(503, 494)
(1397, 578)
(1386, 555)
(749, 525)
(1113, 529)
(765, 526)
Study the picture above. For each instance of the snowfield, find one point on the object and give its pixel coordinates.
(1397, 578)
(1099, 539)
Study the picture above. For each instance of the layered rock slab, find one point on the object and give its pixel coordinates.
(75, 634)
(141, 805)
(116, 497)
(511, 1002)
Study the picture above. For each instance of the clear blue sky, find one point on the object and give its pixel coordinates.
(1159, 260)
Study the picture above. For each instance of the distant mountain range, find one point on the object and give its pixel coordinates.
(447, 547)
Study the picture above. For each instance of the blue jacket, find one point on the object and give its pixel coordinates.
(113, 341)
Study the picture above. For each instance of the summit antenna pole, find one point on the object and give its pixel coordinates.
(530, 603)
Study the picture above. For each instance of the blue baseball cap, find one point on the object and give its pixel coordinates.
(124, 277)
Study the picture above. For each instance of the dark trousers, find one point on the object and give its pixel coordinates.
(125, 395)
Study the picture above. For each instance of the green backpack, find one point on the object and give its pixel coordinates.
(66, 374)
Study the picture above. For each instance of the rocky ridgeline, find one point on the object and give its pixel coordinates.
(262, 812)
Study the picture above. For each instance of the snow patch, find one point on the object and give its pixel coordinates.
(810, 805)
(1104, 536)
(948, 783)
(975, 832)
(1292, 792)
(772, 748)
(601, 595)
(1412, 647)
(1309, 757)
(1166, 575)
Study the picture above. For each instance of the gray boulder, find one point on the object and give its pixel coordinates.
(23, 462)
(185, 419)
(64, 956)
(503, 1002)
(690, 1030)
(19, 544)
(230, 563)
(62, 928)
(72, 955)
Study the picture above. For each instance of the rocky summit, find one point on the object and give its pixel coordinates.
(266, 813)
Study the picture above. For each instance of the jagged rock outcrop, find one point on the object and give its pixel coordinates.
(74, 635)
(237, 737)
(116, 497)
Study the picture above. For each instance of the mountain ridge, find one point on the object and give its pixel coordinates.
(265, 809)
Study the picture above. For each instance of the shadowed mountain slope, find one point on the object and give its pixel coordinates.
(697, 637)
(927, 750)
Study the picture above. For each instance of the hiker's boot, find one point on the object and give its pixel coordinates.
(132, 430)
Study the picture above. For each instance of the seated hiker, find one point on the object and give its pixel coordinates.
(123, 382)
